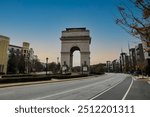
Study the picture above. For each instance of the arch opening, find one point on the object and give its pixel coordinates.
(75, 59)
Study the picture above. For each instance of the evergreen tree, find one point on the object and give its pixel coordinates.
(21, 64)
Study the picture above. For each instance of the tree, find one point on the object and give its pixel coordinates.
(52, 67)
(16, 62)
(136, 21)
(21, 64)
(12, 64)
(97, 69)
(76, 69)
(38, 67)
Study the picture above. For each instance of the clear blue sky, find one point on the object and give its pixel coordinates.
(40, 23)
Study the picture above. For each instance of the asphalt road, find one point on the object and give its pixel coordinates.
(68, 90)
(108, 86)
(116, 93)
(140, 90)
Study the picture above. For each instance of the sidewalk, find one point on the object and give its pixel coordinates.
(141, 77)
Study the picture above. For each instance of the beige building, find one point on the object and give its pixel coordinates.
(73, 39)
(4, 42)
(25, 49)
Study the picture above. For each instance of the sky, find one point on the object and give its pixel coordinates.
(40, 23)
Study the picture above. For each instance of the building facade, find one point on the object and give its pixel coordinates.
(17, 50)
(140, 59)
(4, 42)
(116, 66)
(124, 62)
(27, 53)
(108, 66)
(146, 47)
(132, 59)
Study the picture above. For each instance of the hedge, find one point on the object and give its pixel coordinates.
(32, 78)
(25, 79)
(69, 76)
(16, 75)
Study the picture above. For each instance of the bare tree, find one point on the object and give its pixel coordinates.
(136, 20)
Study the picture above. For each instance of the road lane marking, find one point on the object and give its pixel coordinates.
(124, 97)
(106, 90)
(72, 89)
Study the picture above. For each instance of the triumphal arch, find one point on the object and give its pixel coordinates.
(73, 39)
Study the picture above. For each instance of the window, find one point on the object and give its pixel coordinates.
(148, 53)
(12, 49)
(0, 68)
(84, 62)
(148, 44)
(24, 51)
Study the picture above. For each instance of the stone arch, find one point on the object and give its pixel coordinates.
(75, 39)
(72, 50)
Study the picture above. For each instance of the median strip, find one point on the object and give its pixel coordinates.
(53, 80)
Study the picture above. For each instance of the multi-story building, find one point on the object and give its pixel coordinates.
(27, 52)
(132, 59)
(4, 42)
(140, 59)
(25, 49)
(116, 66)
(146, 47)
(124, 62)
(17, 50)
(31, 54)
(108, 66)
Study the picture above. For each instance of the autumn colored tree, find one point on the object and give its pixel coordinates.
(136, 20)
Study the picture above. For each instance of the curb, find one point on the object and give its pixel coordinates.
(43, 82)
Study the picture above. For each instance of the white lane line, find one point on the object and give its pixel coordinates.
(106, 90)
(124, 97)
(39, 98)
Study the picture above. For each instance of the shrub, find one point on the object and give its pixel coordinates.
(25, 79)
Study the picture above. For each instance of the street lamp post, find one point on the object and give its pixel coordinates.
(46, 65)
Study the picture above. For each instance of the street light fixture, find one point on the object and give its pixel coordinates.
(46, 65)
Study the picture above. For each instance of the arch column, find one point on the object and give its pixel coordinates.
(85, 62)
(65, 58)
